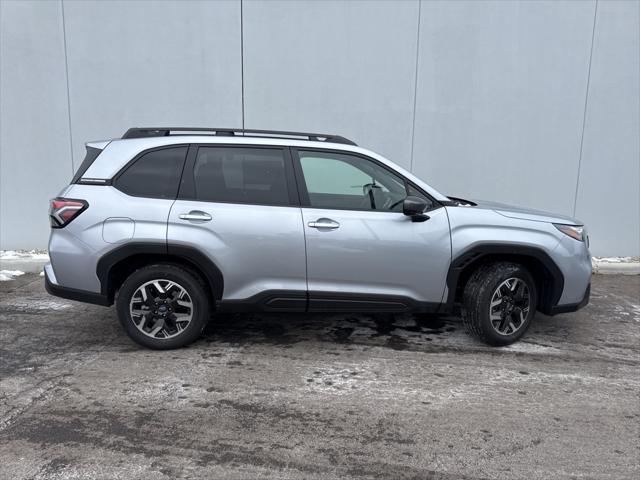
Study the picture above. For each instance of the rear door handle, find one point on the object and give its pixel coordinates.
(324, 223)
(196, 216)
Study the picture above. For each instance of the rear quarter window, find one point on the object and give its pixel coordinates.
(153, 174)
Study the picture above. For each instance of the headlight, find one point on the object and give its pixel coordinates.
(574, 231)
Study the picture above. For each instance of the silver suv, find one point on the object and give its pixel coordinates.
(173, 224)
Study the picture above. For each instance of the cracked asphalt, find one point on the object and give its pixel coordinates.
(333, 396)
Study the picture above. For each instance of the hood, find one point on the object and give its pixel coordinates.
(522, 213)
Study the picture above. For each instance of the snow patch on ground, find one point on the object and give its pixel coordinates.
(533, 348)
(24, 254)
(29, 304)
(6, 275)
(28, 261)
(616, 259)
(616, 265)
(335, 380)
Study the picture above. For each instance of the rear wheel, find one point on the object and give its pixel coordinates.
(163, 306)
(499, 303)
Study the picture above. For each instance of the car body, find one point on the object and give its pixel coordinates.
(282, 221)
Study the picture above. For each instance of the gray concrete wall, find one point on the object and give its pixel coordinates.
(533, 103)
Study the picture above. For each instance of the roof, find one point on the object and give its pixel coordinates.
(146, 132)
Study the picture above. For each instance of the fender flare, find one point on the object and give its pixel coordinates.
(476, 253)
(194, 257)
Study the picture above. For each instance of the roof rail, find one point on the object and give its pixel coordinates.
(231, 132)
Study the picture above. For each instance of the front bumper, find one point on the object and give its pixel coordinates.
(73, 293)
(572, 307)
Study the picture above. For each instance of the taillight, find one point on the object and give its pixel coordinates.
(63, 210)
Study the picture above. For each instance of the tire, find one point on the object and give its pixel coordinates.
(181, 312)
(505, 322)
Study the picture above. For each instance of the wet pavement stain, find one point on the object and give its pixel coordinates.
(342, 334)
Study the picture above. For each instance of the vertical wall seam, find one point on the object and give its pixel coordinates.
(584, 113)
(242, 59)
(66, 71)
(415, 87)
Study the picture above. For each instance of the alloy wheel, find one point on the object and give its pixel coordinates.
(510, 306)
(161, 308)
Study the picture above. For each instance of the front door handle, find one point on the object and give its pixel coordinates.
(196, 215)
(324, 223)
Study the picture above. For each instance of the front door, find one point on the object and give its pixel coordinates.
(238, 206)
(363, 253)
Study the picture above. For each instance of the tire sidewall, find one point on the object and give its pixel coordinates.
(167, 272)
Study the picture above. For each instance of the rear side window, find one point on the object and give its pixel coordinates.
(241, 175)
(155, 174)
(91, 155)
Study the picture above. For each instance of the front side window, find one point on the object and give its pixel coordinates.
(343, 181)
(156, 174)
(241, 175)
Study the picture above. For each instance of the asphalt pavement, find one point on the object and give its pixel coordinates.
(319, 396)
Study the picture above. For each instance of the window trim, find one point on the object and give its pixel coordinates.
(187, 190)
(114, 180)
(82, 169)
(436, 203)
(305, 201)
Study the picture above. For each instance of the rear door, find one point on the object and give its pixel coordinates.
(362, 251)
(239, 206)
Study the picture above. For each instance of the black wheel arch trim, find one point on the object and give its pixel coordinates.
(475, 254)
(190, 255)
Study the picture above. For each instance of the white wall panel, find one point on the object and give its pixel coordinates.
(141, 63)
(500, 103)
(333, 67)
(501, 91)
(35, 158)
(609, 190)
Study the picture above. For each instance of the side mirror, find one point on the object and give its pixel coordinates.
(414, 207)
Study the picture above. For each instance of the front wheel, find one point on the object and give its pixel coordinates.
(163, 306)
(499, 302)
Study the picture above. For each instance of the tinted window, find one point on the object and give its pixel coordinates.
(91, 155)
(155, 174)
(336, 180)
(241, 175)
